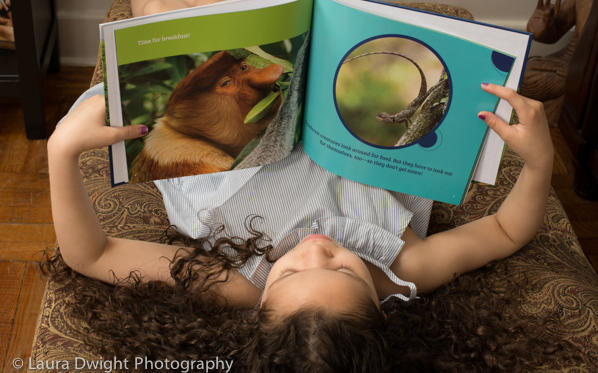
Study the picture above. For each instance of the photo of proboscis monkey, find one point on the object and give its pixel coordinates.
(203, 129)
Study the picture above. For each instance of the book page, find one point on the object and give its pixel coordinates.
(513, 42)
(395, 105)
(216, 91)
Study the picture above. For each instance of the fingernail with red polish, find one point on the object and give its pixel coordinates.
(482, 116)
(143, 130)
(484, 84)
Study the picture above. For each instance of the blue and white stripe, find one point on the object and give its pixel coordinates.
(297, 197)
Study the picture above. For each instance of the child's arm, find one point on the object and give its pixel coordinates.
(79, 235)
(83, 244)
(442, 256)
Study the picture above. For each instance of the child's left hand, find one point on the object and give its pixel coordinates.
(530, 138)
(85, 128)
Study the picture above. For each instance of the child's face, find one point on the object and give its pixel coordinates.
(318, 272)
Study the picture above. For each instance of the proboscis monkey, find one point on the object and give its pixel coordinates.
(203, 129)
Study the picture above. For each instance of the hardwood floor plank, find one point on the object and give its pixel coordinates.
(36, 160)
(15, 148)
(11, 278)
(15, 233)
(14, 181)
(559, 165)
(25, 241)
(25, 198)
(594, 260)
(562, 148)
(26, 315)
(582, 214)
(25, 251)
(590, 246)
(568, 198)
(26, 214)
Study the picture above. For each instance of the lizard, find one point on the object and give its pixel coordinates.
(405, 114)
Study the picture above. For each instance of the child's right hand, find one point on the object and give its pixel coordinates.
(530, 138)
(85, 128)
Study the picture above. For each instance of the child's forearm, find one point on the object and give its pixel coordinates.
(520, 215)
(78, 232)
(522, 212)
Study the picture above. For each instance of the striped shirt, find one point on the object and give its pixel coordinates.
(297, 197)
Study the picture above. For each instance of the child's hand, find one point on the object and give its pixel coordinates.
(85, 128)
(530, 138)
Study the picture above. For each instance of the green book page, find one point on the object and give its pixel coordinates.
(177, 74)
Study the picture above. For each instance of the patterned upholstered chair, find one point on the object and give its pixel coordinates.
(561, 280)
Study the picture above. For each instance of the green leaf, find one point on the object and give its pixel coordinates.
(283, 84)
(141, 119)
(257, 61)
(239, 53)
(153, 68)
(261, 108)
(286, 65)
(160, 89)
(178, 68)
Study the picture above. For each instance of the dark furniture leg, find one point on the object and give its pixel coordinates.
(579, 115)
(36, 35)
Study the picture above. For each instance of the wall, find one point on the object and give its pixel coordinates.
(78, 24)
(508, 13)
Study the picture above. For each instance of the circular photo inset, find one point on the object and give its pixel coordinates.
(392, 91)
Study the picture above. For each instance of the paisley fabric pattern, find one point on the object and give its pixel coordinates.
(560, 279)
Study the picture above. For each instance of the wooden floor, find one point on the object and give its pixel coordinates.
(582, 213)
(25, 216)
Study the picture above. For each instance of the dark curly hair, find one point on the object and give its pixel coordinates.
(317, 341)
(463, 326)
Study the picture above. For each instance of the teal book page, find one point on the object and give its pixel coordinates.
(395, 105)
(211, 88)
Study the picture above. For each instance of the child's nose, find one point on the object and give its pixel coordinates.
(318, 256)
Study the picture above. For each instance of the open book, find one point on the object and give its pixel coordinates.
(374, 92)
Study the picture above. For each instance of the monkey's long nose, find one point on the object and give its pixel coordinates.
(266, 76)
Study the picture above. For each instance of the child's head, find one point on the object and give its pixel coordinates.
(319, 312)
(317, 339)
(318, 274)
